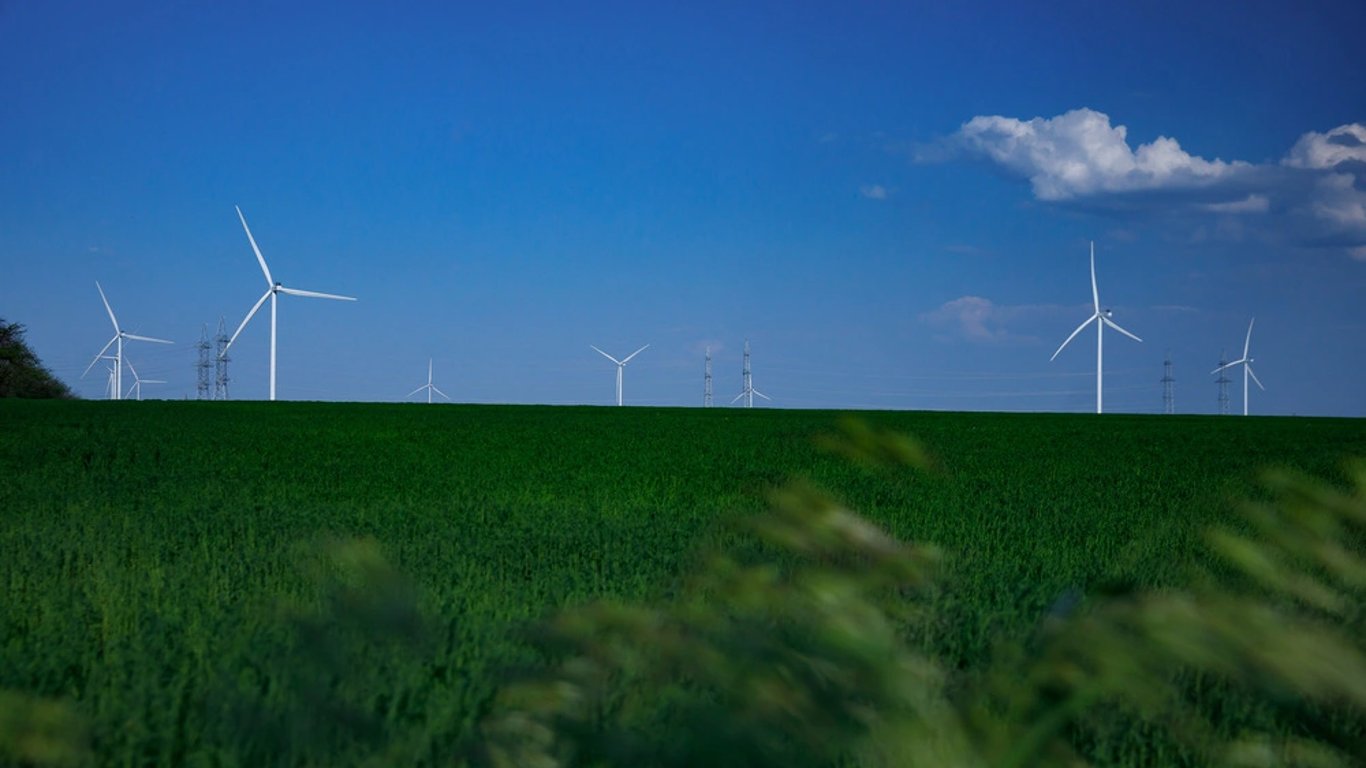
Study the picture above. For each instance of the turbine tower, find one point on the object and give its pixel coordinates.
(117, 342)
(1168, 395)
(706, 386)
(1246, 362)
(1101, 318)
(621, 365)
(749, 391)
(429, 386)
(273, 289)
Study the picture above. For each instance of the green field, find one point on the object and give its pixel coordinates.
(156, 558)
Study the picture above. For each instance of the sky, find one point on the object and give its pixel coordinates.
(893, 202)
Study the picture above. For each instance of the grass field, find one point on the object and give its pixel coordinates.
(156, 558)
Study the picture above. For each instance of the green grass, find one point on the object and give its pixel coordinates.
(156, 558)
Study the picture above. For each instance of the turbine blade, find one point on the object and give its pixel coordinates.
(134, 371)
(1115, 325)
(1074, 335)
(1248, 341)
(633, 354)
(261, 259)
(1228, 365)
(1253, 374)
(439, 392)
(415, 391)
(737, 397)
(136, 337)
(247, 319)
(1095, 293)
(761, 394)
(604, 354)
(99, 355)
(314, 294)
(107, 308)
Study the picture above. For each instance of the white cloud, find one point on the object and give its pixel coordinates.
(873, 191)
(1079, 153)
(979, 320)
(1250, 204)
(1358, 253)
(1315, 193)
(1338, 201)
(1344, 143)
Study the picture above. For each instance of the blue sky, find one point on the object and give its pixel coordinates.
(892, 201)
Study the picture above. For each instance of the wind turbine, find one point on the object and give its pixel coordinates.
(117, 342)
(429, 386)
(749, 391)
(1246, 362)
(1101, 318)
(621, 365)
(139, 381)
(274, 287)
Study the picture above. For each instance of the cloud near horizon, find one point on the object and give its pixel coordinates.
(1317, 191)
(977, 319)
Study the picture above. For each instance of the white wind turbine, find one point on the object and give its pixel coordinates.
(274, 288)
(117, 342)
(1246, 362)
(621, 365)
(749, 391)
(429, 386)
(1101, 318)
(138, 381)
(109, 386)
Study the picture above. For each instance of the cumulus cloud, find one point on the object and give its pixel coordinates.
(873, 191)
(1315, 193)
(980, 320)
(1249, 204)
(1345, 143)
(1080, 153)
(1340, 202)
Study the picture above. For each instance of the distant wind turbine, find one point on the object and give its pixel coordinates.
(1246, 362)
(749, 391)
(429, 386)
(117, 342)
(621, 365)
(139, 381)
(273, 288)
(1101, 318)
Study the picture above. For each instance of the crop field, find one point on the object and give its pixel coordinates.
(161, 564)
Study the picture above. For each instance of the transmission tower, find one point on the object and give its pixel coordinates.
(202, 367)
(220, 378)
(706, 389)
(748, 391)
(1168, 396)
(1223, 381)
